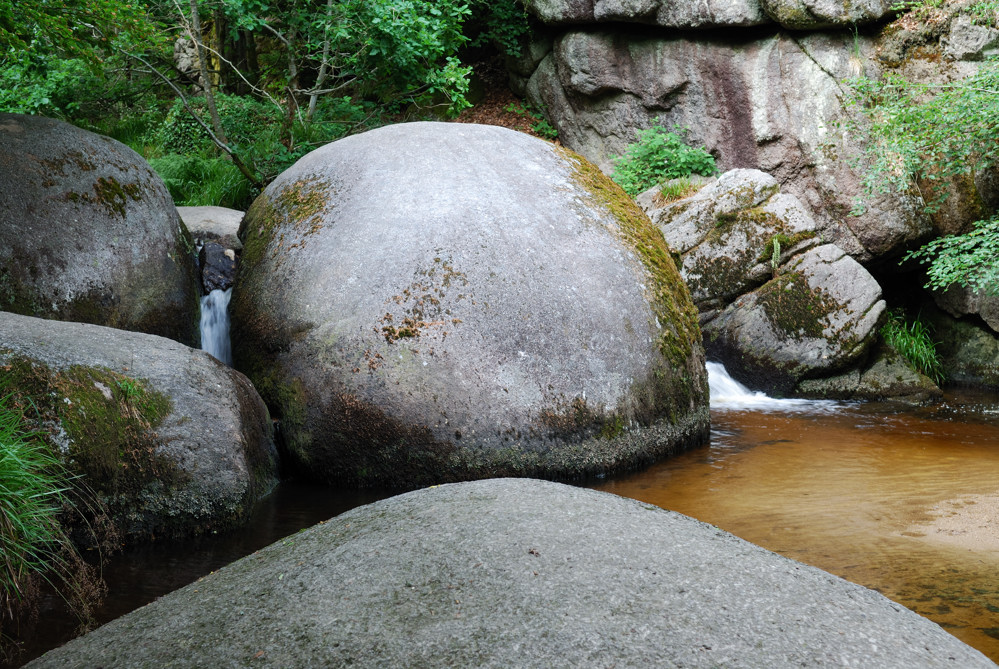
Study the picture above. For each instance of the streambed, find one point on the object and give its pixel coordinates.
(898, 499)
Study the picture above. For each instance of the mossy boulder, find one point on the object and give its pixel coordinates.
(171, 441)
(817, 317)
(518, 573)
(89, 233)
(431, 302)
(887, 377)
(968, 348)
(733, 235)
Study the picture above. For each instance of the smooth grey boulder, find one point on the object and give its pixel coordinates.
(217, 223)
(733, 235)
(88, 232)
(819, 14)
(518, 573)
(428, 302)
(666, 13)
(173, 442)
(819, 315)
(772, 103)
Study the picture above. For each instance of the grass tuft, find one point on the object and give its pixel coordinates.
(913, 342)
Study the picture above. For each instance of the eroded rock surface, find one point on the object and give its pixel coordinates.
(429, 302)
(88, 232)
(172, 441)
(686, 15)
(513, 573)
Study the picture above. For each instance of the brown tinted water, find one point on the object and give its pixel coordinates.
(904, 502)
(850, 489)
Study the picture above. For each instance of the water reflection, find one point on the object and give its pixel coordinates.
(898, 500)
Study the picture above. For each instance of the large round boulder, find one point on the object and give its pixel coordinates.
(433, 301)
(517, 573)
(819, 315)
(88, 232)
(171, 441)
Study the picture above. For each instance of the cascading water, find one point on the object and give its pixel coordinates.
(215, 324)
(727, 393)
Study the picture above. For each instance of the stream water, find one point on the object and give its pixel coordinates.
(215, 325)
(900, 499)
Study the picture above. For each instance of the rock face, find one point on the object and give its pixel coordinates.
(431, 301)
(215, 223)
(713, 13)
(769, 103)
(510, 573)
(819, 314)
(818, 14)
(89, 233)
(171, 440)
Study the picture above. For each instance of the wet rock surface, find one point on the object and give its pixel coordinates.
(515, 572)
(174, 442)
(88, 232)
(411, 305)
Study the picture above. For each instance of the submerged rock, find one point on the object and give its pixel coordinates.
(430, 301)
(513, 573)
(88, 232)
(818, 316)
(172, 441)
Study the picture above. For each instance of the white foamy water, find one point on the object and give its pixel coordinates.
(215, 325)
(727, 393)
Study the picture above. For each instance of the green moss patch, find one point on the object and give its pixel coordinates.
(671, 301)
(109, 193)
(796, 308)
(102, 422)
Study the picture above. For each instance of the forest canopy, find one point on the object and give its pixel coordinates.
(228, 93)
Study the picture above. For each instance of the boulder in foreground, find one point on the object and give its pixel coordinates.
(518, 573)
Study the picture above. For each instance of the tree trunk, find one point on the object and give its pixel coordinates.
(206, 81)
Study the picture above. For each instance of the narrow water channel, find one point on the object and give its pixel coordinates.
(902, 500)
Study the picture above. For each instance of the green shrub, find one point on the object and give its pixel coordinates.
(196, 181)
(657, 155)
(244, 120)
(913, 342)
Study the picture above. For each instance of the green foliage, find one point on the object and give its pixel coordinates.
(34, 492)
(399, 52)
(913, 342)
(244, 120)
(672, 190)
(968, 260)
(72, 29)
(923, 134)
(501, 22)
(539, 123)
(985, 13)
(198, 181)
(48, 86)
(657, 155)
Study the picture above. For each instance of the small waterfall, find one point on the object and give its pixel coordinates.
(215, 324)
(729, 394)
